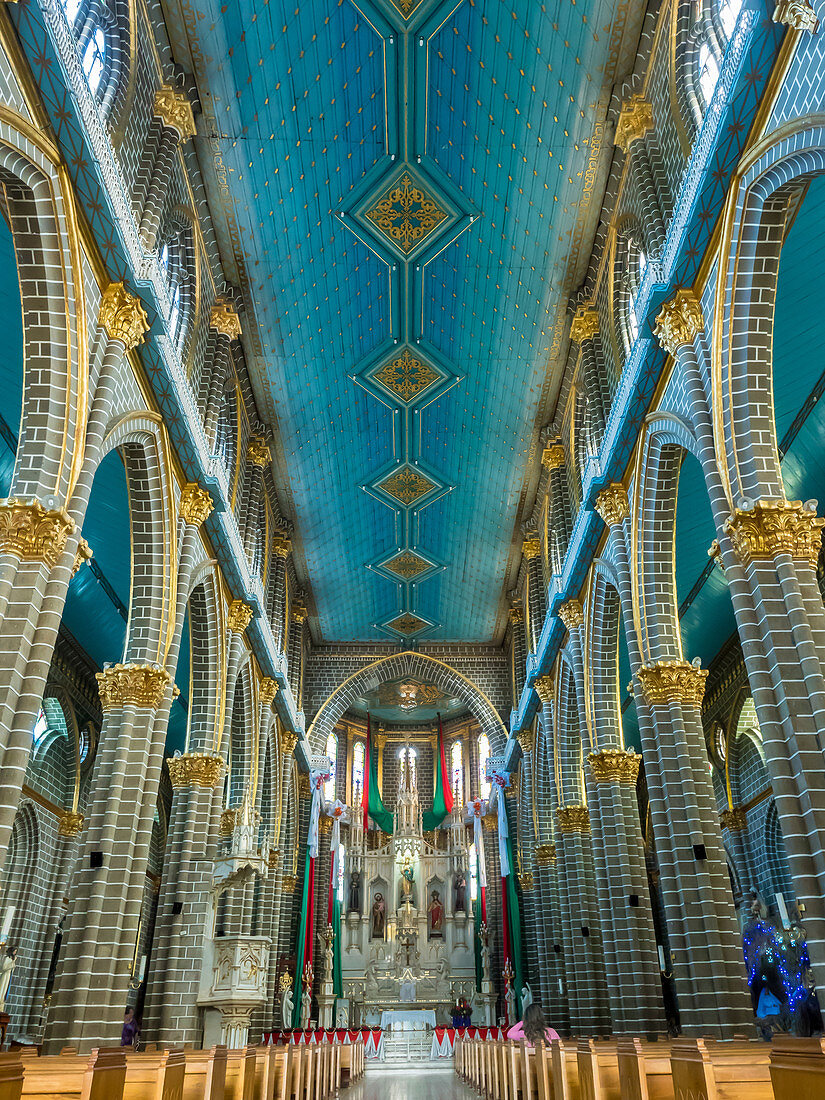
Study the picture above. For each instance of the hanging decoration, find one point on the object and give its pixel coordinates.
(372, 802)
(510, 909)
(443, 795)
(339, 813)
(319, 772)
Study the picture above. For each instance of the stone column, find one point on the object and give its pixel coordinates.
(281, 549)
(296, 651)
(734, 822)
(561, 522)
(701, 922)
(174, 114)
(536, 596)
(635, 121)
(533, 945)
(258, 457)
(224, 327)
(583, 331)
(519, 644)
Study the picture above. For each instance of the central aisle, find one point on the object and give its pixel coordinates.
(412, 1082)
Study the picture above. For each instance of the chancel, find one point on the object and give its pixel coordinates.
(412, 637)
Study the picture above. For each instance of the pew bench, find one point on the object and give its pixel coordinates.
(100, 1075)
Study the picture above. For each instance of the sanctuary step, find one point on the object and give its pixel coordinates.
(407, 1046)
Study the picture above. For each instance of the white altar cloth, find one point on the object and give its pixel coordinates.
(407, 1019)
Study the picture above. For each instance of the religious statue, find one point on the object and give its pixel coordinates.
(526, 998)
(325, 939)
(355, 892)
(407, 880)
(341, 1013)
(484, 936)
(460, 892)
(436, 912)
(509, 993)
(287, 1002)
(379, 911)
(306, 1008)
(6, 968)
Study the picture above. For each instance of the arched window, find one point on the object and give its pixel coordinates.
(483, 757)
(171, 262)
(636, 273)
(407, 757)
(473, 873)
(708, 72)
(102, 42)
(357, 771)
(457, 771)
(728, 14)
(94, 59)
(41, 727)
(332, 753)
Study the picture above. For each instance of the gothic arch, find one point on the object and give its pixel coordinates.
(408, 664)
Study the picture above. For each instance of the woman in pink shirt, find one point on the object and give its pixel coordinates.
(533, 1027)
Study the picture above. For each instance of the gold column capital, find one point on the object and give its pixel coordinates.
(224, 319)
(571, 614)
(269, 689)
(635, 119)
(299, 614)
(227, 822)
(797, 14)
(281, 546)
(70, 824)
(195, 769)
(526, 740)
(543, 687)
(33, 533)
(584, 326)
(552, 457)
(612, 504)
(83, 553)
(195, 504)
(573, 819)
(516, 615)
(257, 452)
(679, 321)
(175, 111)
(525, 879)
(239, 616)
(615, 766)
(673, 682)
(122, 316)
(132, 685)
(735, 819)
(531, 548)
(773, 526)
(288, 742)
(490, 820)
(545, 854)
(288, 884)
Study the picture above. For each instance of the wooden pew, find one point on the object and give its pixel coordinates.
(598, 1070)
(269, 1068)
(205, 1077)
(797, 1068)
(536, 1072)
(11, 1075)
(240, 1074)
(644, 1070)
(565, 1070)
(709, 1069)
(155, 1076)
(100, 1075)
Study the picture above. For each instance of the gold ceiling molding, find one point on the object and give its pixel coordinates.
(552, 457)
(526, 740)
(70, 824)
(407, 564)
(612, 504)
(797, 14)
(635, 120)
(406, 375)
(224, 319)
(407, 623)
(288, 742)
(122, 316)
(132, 685)
(195, 504)
(83, 553)
(195, 769)
(615, 766)
(673, 682)
(269, 689)
(531, 548)
(734, 819)
(407, 485)
(544, 687)
(772, 527)
(239, 616)
(584, 326)
(679, 321)
(573, 819)
(545, 854)
(281, 546)
(406, 214)
(175, 111)
(571, 614)
(257, 452)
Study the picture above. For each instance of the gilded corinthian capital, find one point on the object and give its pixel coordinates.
(31, 532)
(797, 14)
(771, 527)
(584, 326)
(635, 120)
(269, 689)
(195, 504)
(132, 685)
(122, 316)
(573, 819)
(223, 318)
(571, 614)
(195, 769)
(239, 616)
(257, 452)
(281, 546)
(526, 740)
(679, 321)
(673, 682)
(543, 687)
(288, 742)
(545, 854)
(175, 111)
(736, 819)
(552, 457)
(614, 766)
(531, 548)
(612, 504)
(83, 553)
(70, 824)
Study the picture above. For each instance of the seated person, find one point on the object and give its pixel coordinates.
(533, 1027)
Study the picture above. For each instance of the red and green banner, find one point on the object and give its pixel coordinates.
(304, 953)
(372, 802)
(443, 796)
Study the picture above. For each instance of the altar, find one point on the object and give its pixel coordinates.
(407, 1019)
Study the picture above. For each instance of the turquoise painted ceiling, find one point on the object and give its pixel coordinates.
(405, 180)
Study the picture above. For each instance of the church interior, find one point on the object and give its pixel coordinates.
(412, 638)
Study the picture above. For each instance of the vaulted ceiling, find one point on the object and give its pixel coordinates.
(405, 191)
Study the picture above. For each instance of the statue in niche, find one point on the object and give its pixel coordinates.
(287, 1003)
(379, 914)
(306, 1008)
(354, 905)
(460, 892)
(407, 883)
(6, 969)
(436, 912)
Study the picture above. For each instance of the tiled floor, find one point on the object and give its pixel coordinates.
(413, 1082)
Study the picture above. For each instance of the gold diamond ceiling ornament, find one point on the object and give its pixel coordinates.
(406, 375)
(406, 214)
(407, 565)
(407, 7)
(407, 623)
(407, 485)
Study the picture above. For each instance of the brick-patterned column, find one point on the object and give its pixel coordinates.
(701, 922)
(734, 823)
(561, 521)
(224, 327)
(526, 847)
(174, 114)
(295, 655)
(258, 457)
(536, 595)
(519, 654)
(635, 122)
(281, 549)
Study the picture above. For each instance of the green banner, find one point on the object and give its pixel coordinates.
(299, 954)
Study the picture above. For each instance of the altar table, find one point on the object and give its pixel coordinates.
(407, 1019)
